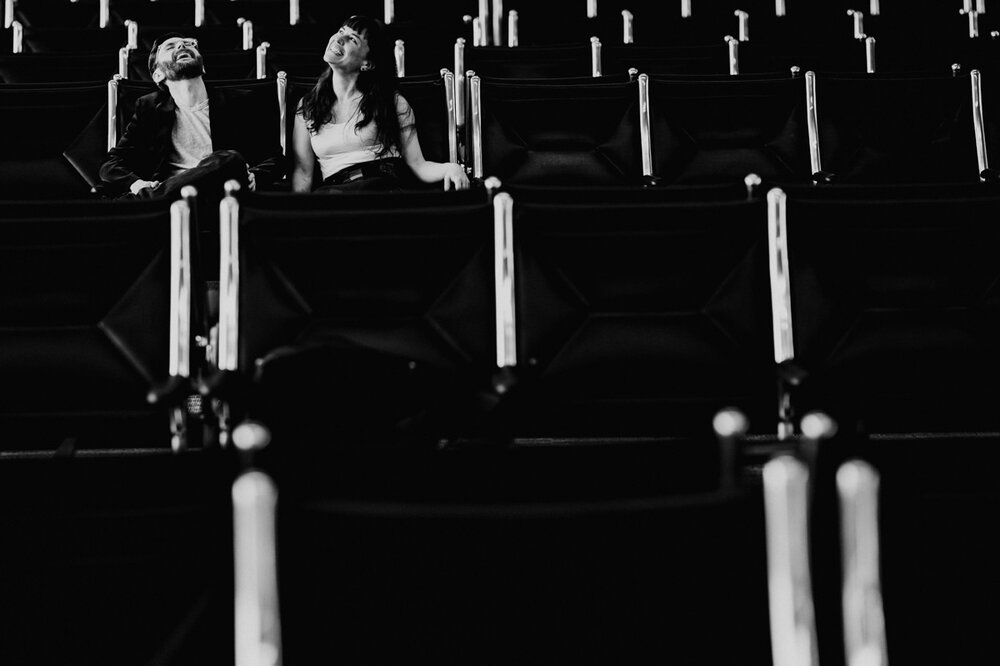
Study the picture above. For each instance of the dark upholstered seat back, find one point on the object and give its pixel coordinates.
(84, 322)
(561, 134)
(350, 307)
(641, 318)
(58, 67)
(530, 61)
(55, 139)
(876, 129)
(719, 130)
(896, 309)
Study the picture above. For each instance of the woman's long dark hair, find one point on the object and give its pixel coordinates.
(377, 86)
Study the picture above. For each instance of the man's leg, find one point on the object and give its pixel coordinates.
(208, 177)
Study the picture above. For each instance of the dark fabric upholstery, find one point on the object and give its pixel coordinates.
(136, 550)
(561, 134)
(641, 318)
(57, 127)
(49, 67)
(897, 129)
(538, 556)
(703, 59)
(70, 40)
(530, 62)
(367, 311)
(84, 321)
(719, 130)
(895, 310)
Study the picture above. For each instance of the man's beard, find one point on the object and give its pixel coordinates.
(187, 69)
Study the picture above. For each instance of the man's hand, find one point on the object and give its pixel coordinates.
(143, 184)
(454, 177)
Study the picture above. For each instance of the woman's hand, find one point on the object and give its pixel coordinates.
(454, 177)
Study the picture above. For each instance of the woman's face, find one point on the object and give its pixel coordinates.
(347, 50)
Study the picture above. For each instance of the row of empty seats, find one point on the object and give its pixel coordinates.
(532, 313)
(585, 554)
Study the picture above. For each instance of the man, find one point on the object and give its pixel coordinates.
(189, 133)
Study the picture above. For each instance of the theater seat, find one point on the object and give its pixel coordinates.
(86, 325)
(59, 143)
(894, 307)
(537, 134)
(370, 321)
(641, 317)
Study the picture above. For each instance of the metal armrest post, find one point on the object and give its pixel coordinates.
(781, 301)
(978, 121)
(973, 16)
(229, 278)
(628, 27)
(864, 619)
(730, 426)
(247, 27)
(645, 128)
(595, 57)
(497, 17)
(460, 83)
(734, 54)
(484, 24)
(859, 23)
(399, 51)
(743, 25)
(123, 55)
(262, 60)
(503, 252)
(113, 111)
(477, 128)
(512, 36)
(17, 37)
(257, 617)
(179, 355)
(281, 81)
(790, 597)
(449, 99)
(812, 124)
(132, 34)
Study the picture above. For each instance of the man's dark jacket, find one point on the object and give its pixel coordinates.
(244, 119)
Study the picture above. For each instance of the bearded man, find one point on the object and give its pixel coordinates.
(188, 133)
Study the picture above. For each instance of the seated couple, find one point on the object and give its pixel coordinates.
(352, 122)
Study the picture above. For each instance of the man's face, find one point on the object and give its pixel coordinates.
(178, 58)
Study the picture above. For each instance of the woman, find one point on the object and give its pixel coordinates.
(355, 123)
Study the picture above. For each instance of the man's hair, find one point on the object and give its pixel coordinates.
(156, 47)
